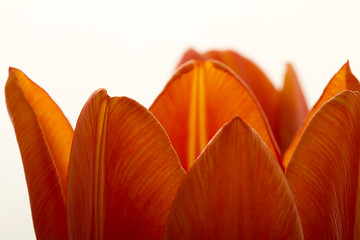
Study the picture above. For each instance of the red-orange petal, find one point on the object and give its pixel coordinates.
(323, 173)
(251, 74)
(190, 54)
(235, 190)
(342, 80)
(123, 172)
(199, 100)
(44, 136)
(292, 109)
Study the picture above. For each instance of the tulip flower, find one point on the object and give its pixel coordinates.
(202, 163)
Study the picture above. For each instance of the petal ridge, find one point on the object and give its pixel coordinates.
(206, 88)
(123, 168)
(33, 114)
(341, 81)
(323, 173)
(227, 192)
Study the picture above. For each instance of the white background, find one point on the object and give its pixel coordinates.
(71, 48)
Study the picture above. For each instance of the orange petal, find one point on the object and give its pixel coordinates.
(258, 82)
(199, 100)
(44, 136)
(123, 172)
(323, 174)
(343, 80)
(190, 54)
(235, 190)
(292, 109)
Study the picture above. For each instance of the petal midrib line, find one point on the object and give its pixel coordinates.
(197, 117)
(99, 177)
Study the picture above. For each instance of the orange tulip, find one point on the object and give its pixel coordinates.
(129, 172)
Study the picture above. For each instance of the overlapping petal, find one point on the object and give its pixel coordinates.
(323, 173)
(123, 172)
(44, 136)
(342, 80)
(292, 109)
(235, 190)
(285, 109)
(258, 82)
(199, 100)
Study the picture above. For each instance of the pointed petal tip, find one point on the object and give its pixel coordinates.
(190, 54)
(191, 50)
(289, 66)
(235, 120)
(15, 71)
(12, 75)
(344, 79)
(12, 69)
(229, 160)
(223, 96)
(346, 67)
(324, 171)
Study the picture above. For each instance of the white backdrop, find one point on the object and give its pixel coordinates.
(71, 48)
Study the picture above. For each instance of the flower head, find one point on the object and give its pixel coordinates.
(220, 154)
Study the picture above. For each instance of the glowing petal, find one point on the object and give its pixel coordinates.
(123, 172)
(235, 190)
(343, 80)
(190, 54)
(251, 74)
(324, 170)
(292, 109)
(199, 100)
(44, 136)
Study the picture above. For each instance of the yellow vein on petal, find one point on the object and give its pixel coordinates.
(192, 119)
(197, 118)
(202, 109)
(99, 178)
